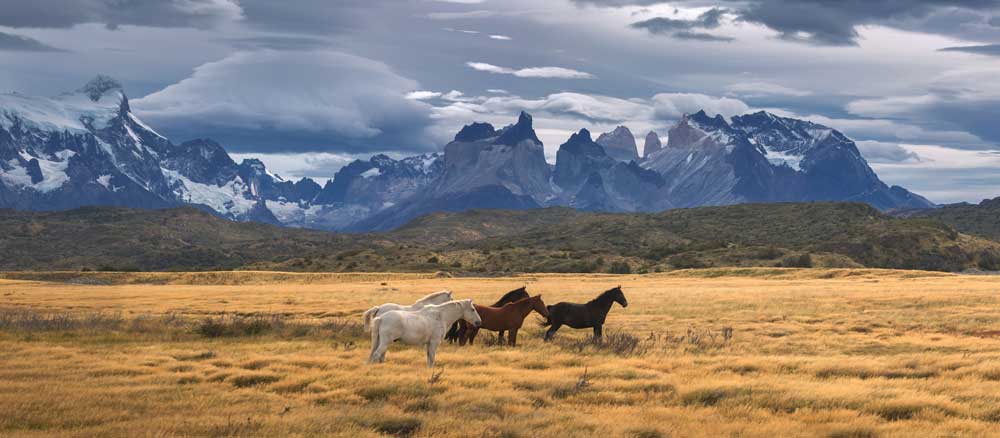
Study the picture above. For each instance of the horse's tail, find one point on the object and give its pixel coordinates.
(548, 319)
(452, 335)
(368, 316)
(375, 324)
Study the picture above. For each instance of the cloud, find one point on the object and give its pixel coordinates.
(531, 72)
(460, 15)
(685, 29)
(882, 152)
(988, 50)
(114, 13)
(501, 37)
(280, 42)
(422, 95)
(267, 100)
(18, 43)
(961, 99)
(758, 89)
(835, 23)
(671, 106)
(958, 175)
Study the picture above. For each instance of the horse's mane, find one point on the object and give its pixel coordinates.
(604, 296)
(509, 297)
(432, 296)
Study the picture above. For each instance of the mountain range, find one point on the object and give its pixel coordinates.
(88, 148)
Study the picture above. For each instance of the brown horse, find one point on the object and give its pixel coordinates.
(510, 317)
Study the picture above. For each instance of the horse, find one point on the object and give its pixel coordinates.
(457, 331)
(438, 297)
(578, 316)
(424, 326)
(509, 317)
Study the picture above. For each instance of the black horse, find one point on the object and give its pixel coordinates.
(580, 316)
(455, 332)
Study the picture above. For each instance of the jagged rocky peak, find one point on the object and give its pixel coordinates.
(652, 144)
(619, 144)
(581, 142)
(255, 165)
(476, 131)
(518, 132)
(683, 134)
(100, 86)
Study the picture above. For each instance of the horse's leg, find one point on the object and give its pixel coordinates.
(598, 332)
(379, 353)
(431, 351)
(472, 334)
(513, 338)
(552, 331)
(463, 332)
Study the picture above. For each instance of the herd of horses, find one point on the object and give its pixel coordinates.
(439, 316)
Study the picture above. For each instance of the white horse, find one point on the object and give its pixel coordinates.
(442, 296)
(425, 326)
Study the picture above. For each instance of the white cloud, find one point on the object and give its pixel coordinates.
(757, 89)
(422, 95)
(531, 72)
(501, 37)
(671, 106)
(296, 100)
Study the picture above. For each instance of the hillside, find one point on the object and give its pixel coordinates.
(981, 219)
(492, 241)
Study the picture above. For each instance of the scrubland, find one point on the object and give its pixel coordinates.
(724, 352)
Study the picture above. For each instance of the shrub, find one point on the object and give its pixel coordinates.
(620, 267)
(797, 261)
(687, 261)
(401, 427)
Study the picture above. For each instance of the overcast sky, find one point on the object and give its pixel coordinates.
(308, 85)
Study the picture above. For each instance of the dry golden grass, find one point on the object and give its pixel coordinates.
(835, 353)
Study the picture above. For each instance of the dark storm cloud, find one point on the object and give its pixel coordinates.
(315, 16)
(989, 49)
(18, 43)
(834, 23)
(685, 29)
(114, 13)
(700, 36)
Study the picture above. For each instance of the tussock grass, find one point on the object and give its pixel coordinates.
(693, 355)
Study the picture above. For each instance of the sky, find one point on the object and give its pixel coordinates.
(309, 85)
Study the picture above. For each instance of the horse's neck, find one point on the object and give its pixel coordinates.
(523, 308)
(426, 300)
(602, 302)
(449, 313)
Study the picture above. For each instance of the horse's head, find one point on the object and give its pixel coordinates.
(619, 296)
(469, 313)
(519, 293)
(539, 306)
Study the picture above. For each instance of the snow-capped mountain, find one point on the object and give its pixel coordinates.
(88, 148)
(761, 157)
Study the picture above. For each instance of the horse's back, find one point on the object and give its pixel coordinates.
(572, 314)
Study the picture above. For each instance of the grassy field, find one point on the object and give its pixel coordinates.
(834, 353)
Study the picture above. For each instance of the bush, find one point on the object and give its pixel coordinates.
(989, 261)
(620, 267)
(687, 261)
(797, 261)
